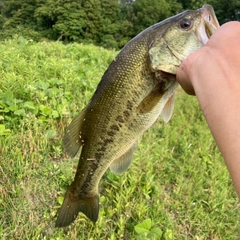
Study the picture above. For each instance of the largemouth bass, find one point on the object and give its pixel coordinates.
(136, 89)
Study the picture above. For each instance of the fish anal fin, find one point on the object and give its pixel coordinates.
(167, 111)
(72, 205)
(122, 163)
(72, 139)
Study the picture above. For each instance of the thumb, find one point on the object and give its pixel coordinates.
(183, 77)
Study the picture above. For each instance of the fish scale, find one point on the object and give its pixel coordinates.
(135, 90)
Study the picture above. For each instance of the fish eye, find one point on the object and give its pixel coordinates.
(186, 23)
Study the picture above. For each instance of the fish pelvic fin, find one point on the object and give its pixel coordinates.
(122, 163)
(167, 111)
(72, 205)
(72, 140)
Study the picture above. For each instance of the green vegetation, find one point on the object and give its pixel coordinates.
(176, 188)
(107, 23)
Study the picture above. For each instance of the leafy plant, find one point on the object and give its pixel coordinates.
(177, 187)
(3, 130)
(146, 231)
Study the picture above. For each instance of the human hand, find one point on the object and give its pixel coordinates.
(220, 52)
(213, 75)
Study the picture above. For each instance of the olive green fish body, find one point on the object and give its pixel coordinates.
(136, 89)
(113, 121)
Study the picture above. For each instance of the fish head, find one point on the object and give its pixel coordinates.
(183, 34)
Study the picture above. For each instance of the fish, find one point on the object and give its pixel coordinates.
(137, 88)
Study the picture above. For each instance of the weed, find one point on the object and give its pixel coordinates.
(177, 187)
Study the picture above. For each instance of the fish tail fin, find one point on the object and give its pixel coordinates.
(89, 205)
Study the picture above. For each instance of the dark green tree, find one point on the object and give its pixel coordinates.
(126, 31)
(175, 7)
(149, 12)
(19, 13)
(109, 35)
(126, 9)
(93, 20)
(110, 23)
(61, 19)
(226, 10)
(18, 18)
(2, 13)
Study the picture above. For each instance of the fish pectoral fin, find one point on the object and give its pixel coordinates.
(167, 111)
(72, 206)
(122, 163)
(150, 101)
(72, 139)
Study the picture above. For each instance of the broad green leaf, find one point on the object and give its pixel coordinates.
(45, 110)
(144, 226)
(8, 96)
(41, 85)
(168, 235)
(20, 112)
(13, 108)
(157, 231)
(29, 105)
(55, 114)
(140, 229)
(22, 40)
(60, 200)
(3, 130)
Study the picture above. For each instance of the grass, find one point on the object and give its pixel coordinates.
(177, 187)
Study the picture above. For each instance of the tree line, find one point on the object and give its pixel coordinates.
(108, 23)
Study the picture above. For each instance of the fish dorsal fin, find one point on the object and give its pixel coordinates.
(122, 163)
(167, 111)
(72, 138)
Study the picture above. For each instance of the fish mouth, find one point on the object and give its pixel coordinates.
(209, 24)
